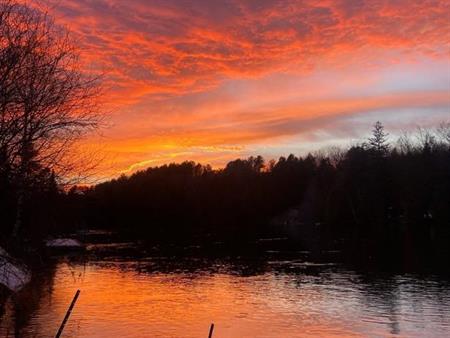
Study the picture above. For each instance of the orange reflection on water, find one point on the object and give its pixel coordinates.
(123, 300)
(116, 302)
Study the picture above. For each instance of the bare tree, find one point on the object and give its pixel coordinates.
(334, 154)
(443, 132)
(47, 101)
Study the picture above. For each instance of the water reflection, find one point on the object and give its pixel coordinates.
(161, 297)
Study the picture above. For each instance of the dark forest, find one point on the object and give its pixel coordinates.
(374, 198)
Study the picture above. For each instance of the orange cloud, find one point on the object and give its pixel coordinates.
(221, 140)
(166, 47)
(210, 80)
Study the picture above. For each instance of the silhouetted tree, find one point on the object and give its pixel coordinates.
(378, 141)
(47, 102)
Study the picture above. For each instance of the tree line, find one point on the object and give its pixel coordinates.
(373, 195)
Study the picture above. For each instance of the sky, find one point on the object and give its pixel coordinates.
(211, 81)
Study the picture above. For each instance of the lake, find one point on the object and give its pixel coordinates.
(181, 297)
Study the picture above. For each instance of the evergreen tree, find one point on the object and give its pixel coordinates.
(378, 141)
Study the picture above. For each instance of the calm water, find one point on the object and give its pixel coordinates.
(180, 298)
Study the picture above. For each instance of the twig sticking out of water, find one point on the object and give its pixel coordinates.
(66, 317)
(211, 329)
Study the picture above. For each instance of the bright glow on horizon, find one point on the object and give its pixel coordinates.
(210, 81)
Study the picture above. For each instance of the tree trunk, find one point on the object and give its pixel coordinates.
(22, 178)
(19, 213)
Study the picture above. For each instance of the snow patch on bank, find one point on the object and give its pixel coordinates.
(63, 243)
(13, 274)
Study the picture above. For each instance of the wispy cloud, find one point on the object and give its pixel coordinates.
(202, 74)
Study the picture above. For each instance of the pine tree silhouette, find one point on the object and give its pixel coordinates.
(378, 141)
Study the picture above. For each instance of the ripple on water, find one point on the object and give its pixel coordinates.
(162, 298)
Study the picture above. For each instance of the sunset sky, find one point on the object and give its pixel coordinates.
(212, 80)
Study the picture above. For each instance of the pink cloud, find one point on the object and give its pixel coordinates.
(168, 46)
(175, 69)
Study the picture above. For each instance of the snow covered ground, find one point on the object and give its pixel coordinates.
(13, 274)
(63, 243)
